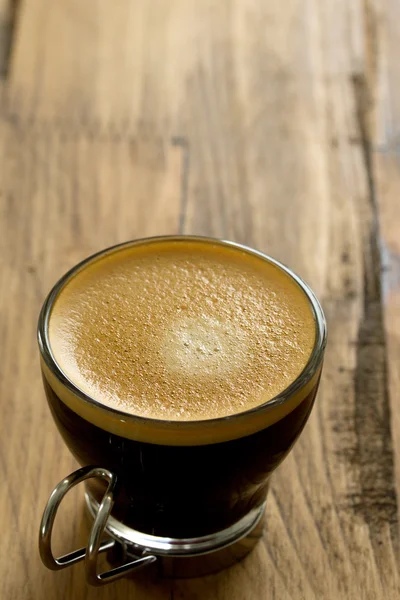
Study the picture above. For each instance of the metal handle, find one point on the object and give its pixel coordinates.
(95, 546)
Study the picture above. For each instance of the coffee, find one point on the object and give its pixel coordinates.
(182, 492)
(181, 330)
(188, 368)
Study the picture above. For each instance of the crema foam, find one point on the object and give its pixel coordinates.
(181, 330)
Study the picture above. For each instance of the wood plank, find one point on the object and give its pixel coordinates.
(386, 143)
(241, 119)
(64, 196)
(346, 458)
(7, 22)
(93, 62)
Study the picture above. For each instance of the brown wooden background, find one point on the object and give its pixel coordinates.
(276, 124)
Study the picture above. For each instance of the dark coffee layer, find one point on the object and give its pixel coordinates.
(182, 492)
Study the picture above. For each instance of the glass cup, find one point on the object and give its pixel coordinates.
(193, 502)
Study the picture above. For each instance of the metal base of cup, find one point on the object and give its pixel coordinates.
(192, 557)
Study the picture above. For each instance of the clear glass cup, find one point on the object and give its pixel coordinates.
(192, 502)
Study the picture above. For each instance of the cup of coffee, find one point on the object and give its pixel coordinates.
(179, 371)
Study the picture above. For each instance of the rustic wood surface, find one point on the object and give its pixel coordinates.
(273, 124)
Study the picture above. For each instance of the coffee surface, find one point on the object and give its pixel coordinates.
(181, 330)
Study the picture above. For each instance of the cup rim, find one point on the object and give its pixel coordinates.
(301, 380)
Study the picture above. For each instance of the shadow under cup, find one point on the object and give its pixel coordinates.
(182, 488)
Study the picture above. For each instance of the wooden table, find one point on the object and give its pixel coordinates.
(273, 124)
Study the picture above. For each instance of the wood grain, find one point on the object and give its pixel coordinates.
(247, 120)
(386, 153)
